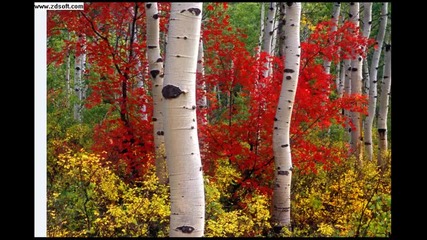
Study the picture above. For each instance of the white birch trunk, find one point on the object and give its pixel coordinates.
(367, 23)
(67, 76)
(262, 26)
(155, 65)
(383, 111)
(281, 31)
(367, 18)
(365, 79)
(335, 17)
(281, 141)
(341, 80)
(356, 88)
(275, 32)
(347, 91)
(79, 68)
(268, 36)
(180, 125)
(202, 102)
(373, 76)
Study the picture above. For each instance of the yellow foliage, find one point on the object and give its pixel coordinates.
(90, 200)
(86, 199)
(341, 202)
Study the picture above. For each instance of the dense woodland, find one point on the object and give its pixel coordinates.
(258, 119)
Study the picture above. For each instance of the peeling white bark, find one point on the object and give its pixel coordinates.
(180, 123)
(281, 139)
(373, 76)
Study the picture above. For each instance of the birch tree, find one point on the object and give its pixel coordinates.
(180, 124)
(356, 88)
(68, 73)
(281, 32)
(268, 36)
(155, 65)
(373, 76)
(281, 140)
(335, 17)
(383, 111)
(79, 68)
(202, 103)
(262, 25)
(367, 23)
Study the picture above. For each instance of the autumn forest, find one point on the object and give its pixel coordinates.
(243, 119)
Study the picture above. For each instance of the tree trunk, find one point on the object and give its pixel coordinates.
(268, 37)
(262, 26)
(339, 80)
(281, 31)
(373, 75)
(356, 88)
(383, 112)
(367, 18)
(335, 17)
(79, 68)
(180, 125)
(155, 65)
(68, 74)
(347, 91)
(275, 32)
(202, 103)
(281, 141)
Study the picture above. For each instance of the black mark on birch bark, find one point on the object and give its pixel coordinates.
(154, 73)
(185, 229)
(194, 11)
(170, 91)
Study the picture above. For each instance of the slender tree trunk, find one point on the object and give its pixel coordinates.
(68, 74)
(202, 103)
(341, 79)
(180, 128)
(275, 32)
(356, 88)
(383, 111)
(281, 141)
(79, 68)
(373, 76)
(335, 17)
(365, 79)
(262, 26)
(347, 91)
(155, 65)
(367, 18)
(268, 36)
(281, 31)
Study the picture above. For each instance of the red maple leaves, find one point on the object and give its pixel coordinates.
(241, 102)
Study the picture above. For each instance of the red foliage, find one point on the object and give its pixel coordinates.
(242, 103)
(244, 136)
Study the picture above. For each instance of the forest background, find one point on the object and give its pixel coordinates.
(101, 173)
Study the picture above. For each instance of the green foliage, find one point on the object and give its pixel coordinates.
(248, 23)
